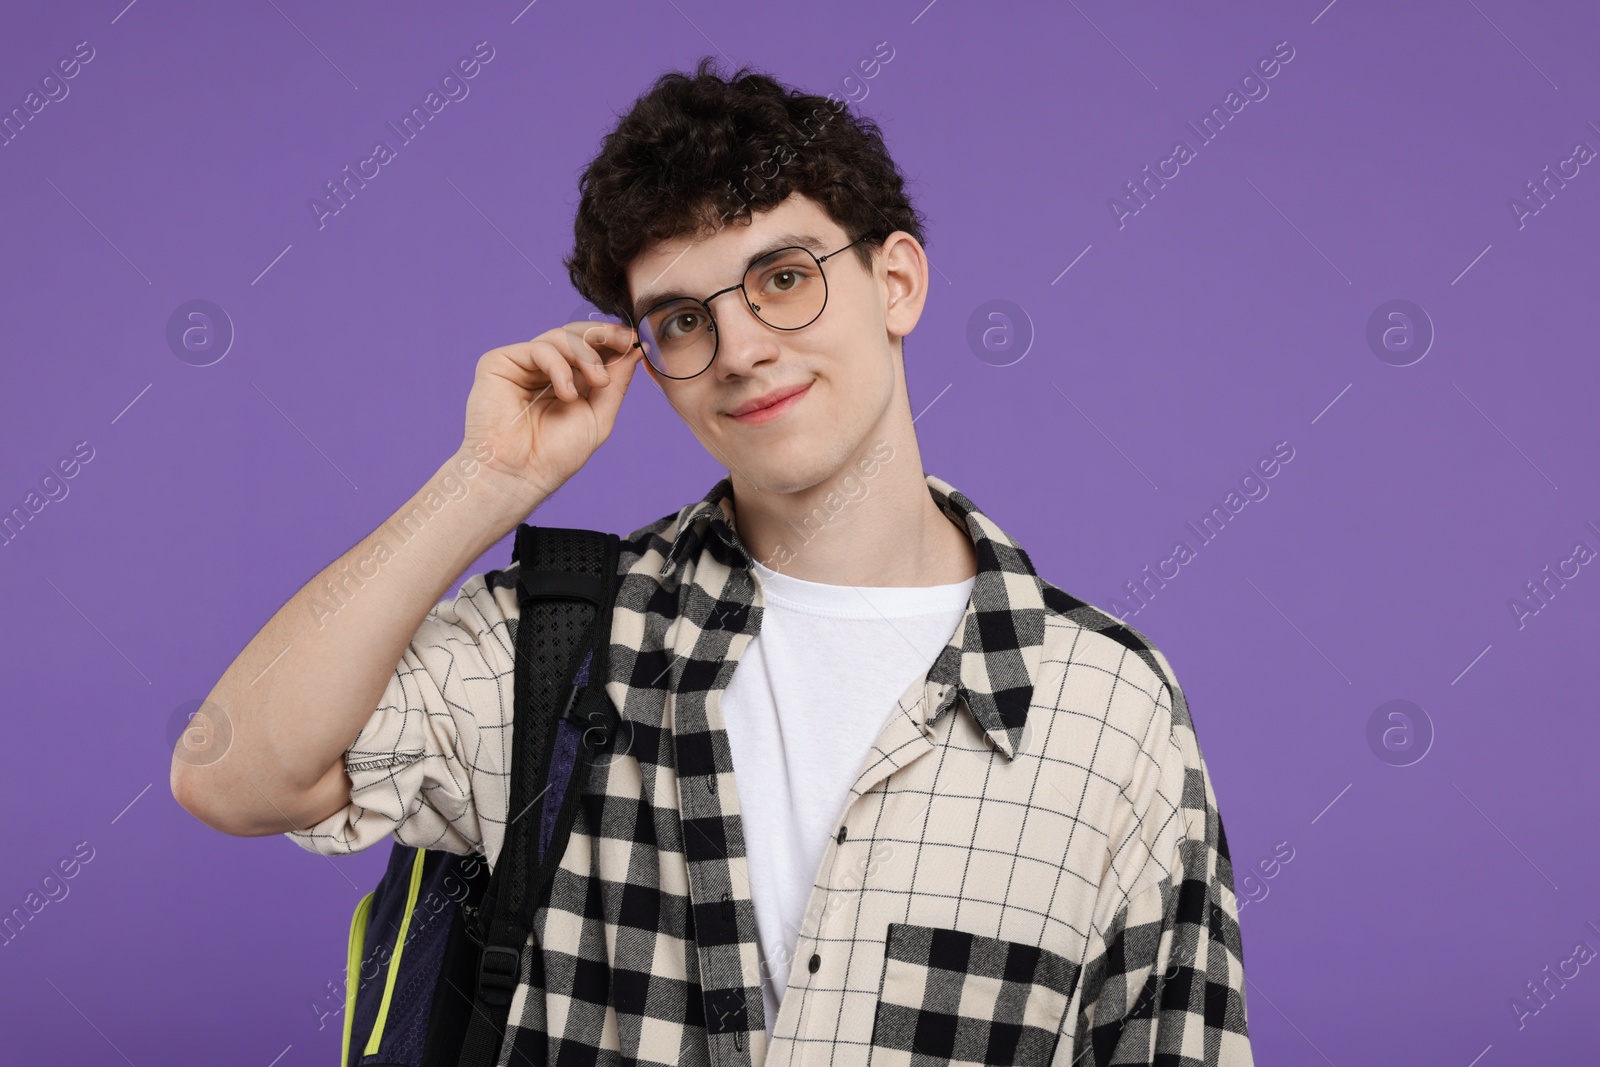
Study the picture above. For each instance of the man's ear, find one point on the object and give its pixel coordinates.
(905, 267)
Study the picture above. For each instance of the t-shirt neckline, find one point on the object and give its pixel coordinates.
(860, 602)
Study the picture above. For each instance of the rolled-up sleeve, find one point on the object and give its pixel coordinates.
(431, 766)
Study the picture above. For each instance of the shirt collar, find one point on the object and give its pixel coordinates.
(713, 511)
(991, 660)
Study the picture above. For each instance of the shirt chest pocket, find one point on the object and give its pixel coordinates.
(952, 997)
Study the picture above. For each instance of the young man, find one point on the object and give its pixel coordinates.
(889, 793)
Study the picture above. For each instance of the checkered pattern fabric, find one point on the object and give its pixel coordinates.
(954, 996)
(1029, 869)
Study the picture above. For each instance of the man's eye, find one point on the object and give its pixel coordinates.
(682, 323)
(787, 280)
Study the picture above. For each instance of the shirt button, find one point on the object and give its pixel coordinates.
(840, 838)
(816, 961)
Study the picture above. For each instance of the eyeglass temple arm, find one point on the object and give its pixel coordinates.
(852, 244)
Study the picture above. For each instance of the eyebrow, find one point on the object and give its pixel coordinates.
(652, 297)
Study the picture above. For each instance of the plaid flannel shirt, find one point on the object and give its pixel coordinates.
(1029, 869)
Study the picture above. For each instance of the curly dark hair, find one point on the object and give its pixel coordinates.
(696, 151)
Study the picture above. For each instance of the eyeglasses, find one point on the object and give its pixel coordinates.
(785, 289)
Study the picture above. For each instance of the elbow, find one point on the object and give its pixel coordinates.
(193, 779)
(242, 809)
(205, 800)
(192, 798)
(182, 789)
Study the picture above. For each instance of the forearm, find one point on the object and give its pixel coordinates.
(269, 756)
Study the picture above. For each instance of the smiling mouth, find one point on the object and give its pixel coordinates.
(774, 409)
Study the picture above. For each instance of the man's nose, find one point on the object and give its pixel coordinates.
(742, 338)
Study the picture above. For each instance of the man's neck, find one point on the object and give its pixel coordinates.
(871, 525)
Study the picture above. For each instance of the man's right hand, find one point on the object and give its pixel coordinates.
(544, 406)
(295, 699)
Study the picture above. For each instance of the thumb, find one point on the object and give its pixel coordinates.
(607, 399)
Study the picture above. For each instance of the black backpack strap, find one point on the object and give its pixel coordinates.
(562, 720)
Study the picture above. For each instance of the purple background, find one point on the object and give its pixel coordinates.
(1228, 314)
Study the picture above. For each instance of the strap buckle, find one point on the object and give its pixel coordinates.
(498, 969)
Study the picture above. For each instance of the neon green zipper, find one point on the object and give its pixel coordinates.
(399, 945)
(352, 972)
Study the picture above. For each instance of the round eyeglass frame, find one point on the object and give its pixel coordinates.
(711, 318)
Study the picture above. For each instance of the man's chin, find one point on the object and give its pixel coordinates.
(784, 479)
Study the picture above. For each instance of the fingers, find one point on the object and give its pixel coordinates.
(607, 400)
(585, 343)
(604, 340)
(556, 358)
(597, 346)
(550, 367)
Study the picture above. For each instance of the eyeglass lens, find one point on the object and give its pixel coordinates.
(786, 290)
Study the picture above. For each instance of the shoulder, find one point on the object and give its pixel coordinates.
(1085, 631)
(1093, 633)
(1143, 703)
(1143, 694)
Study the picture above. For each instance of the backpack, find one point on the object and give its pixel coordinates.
(437, 948)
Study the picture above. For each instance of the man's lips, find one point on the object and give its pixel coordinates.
(769, 400)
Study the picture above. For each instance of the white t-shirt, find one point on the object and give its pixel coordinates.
(810, 696)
